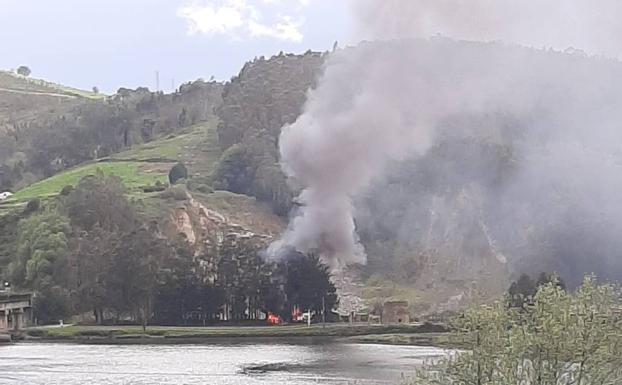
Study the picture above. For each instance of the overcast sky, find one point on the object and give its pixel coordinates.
(115, 43)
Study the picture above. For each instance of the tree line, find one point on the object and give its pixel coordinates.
(90, 252)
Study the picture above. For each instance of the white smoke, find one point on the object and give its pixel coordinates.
(381, 102)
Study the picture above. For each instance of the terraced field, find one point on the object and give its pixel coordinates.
(142, 166)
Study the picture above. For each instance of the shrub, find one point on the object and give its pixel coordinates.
(176, 192)
(24, 71)
(66, 190)
(179, 171)
(556, 337)
(32, 206)
(205, 189)
(155, 188)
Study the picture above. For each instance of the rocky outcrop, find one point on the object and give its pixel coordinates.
(206, 228)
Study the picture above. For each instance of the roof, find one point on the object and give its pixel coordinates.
(6, 297)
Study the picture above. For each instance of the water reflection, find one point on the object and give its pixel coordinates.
(240, 363)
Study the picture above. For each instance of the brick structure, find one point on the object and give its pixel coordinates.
(395, 312)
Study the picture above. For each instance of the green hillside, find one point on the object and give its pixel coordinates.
(139, 167)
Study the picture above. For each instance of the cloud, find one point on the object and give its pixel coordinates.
(243, 19)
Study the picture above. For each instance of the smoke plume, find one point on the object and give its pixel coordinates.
(394, 98)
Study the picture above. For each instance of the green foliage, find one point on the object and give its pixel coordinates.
(252, 169)
(522, 291)
(308, 281)
(561, 338)
(66, 190)
(178, 171)
(234, 171)
(131, 173)
(24, 71)
(32, 206)
(41, 251)
(51, 304)
(100, 200)
(66, 128)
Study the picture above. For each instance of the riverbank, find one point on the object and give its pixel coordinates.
(386, 334)
(5, 338)
(439, 340)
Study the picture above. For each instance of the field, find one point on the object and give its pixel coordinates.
(133, 174)
(141, 166)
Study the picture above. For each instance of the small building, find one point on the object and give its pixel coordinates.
(5, 195)
(395, 312)
(15, 310)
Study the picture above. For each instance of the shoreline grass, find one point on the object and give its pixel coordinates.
(164, 334)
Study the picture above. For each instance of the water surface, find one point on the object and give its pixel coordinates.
(239, 363)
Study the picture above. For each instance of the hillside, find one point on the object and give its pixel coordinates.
(46, 128)
(147, 166)
(23, 100)
(438, 231)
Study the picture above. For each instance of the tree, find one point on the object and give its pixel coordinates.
(95, 90)
(23, 70)
(41, 251)
(132, 277)
(525, 288)
(521, 290)
(91, 261)
(178, 171)
(99, 200)
(308, 283)
(181, 290)
(561, 338)
(41, 264)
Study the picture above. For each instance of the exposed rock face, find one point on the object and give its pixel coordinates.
(206, 228)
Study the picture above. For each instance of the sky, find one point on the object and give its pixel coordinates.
(122, 43)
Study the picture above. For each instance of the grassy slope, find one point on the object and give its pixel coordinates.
(12, 81)
(146, 164)
(138, 167)
(132, 173)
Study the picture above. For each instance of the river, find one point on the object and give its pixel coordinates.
(227, 363)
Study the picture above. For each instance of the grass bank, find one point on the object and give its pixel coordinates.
(155, 334)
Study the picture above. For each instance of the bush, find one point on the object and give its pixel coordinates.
(51, 305)
(557, 337)
(176, 192)
(204, 189)
(179, 193)
(24, 71)
(32, 206)
(155, 188)
(66, 190)
(179, 171)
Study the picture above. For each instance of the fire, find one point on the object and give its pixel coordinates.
(274, 319)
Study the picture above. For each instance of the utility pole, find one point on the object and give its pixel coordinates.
(173, 85)
(157, 81)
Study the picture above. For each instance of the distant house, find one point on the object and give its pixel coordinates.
(5, 195)
(395, 312)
